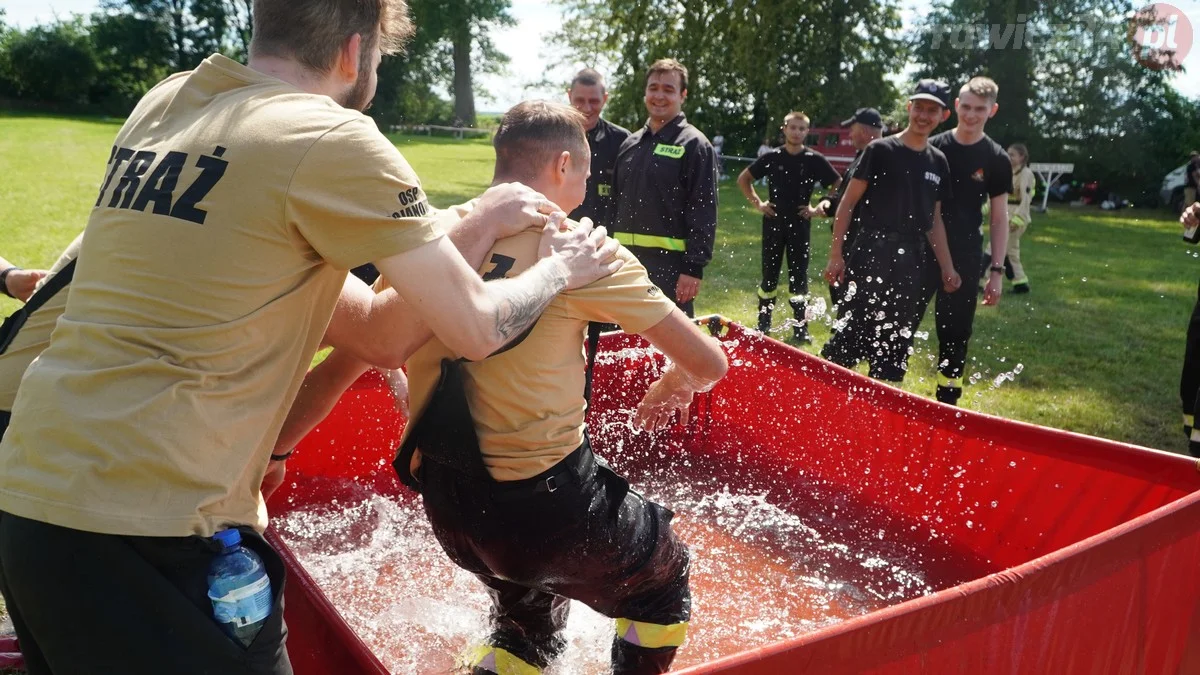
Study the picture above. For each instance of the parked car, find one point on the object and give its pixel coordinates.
(1172, 189)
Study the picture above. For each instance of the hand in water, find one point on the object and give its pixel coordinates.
(662, 401)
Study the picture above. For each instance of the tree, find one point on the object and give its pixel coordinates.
(1069, 85)
(52, 63)
(749, 61)
(464, 25)
(191, 29)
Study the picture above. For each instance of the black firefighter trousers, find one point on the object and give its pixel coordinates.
(574, 532)
(880, 308)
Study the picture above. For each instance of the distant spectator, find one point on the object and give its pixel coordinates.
(1189, 382)
(1191, 179)
(1019, 218)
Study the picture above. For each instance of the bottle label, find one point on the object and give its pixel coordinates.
(246, 605)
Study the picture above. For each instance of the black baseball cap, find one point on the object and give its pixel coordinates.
(867, 116)
(932, 90)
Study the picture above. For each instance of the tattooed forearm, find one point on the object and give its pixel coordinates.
(524, 299)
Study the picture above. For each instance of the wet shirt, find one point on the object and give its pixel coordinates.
(835, 198)
(34, 336)
(231, 208)
(666, 186)
(978, 172)
(605, 141)
(792, 178)
(527, 402)
(903, 185)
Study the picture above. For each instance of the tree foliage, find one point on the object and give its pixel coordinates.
(750, 61)
(1069, 85)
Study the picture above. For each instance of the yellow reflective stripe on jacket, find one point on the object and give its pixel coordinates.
(768, 295)
(651, 635)
(1189, 421)
(651, 241)
(1017, 221)
(951, 382)
(499, 661)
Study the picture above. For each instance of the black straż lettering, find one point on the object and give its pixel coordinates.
(116, 158)
(502, 264)
(131, 179)
(160, 186)
(212, 168)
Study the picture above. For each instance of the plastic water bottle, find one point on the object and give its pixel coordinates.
(239, 588)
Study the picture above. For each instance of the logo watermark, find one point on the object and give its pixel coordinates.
(1161, 36)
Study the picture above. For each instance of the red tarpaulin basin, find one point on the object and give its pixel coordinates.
(971, 544)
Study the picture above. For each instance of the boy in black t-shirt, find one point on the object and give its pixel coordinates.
(901, 182)
(980, 174)
(791, 172)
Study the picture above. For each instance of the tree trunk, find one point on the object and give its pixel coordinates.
(464, 92)
(1010, 65)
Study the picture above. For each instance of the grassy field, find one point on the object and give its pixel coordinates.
(1098, 342)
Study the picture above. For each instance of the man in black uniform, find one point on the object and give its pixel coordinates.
(791, 172)
(901, 182)
(865, 126)
(589, 96)
(1189, 382)
(980, 173)
(666, 185)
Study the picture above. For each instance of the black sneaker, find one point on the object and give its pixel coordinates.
(948, 395)
(1020, 288)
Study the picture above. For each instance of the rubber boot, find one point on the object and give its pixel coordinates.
(800, 330)
(765, 308)
(631, 659)
(948, 395)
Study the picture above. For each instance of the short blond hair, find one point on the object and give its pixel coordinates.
(312, 31)
(983, 87)
(795, 114)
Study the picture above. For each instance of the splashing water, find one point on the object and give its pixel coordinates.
(766, 567)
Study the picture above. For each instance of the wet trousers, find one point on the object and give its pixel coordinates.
(574, 532)
(954, 312)
(1189, 381)
(791, 234)
(881, 305)
(85, 603)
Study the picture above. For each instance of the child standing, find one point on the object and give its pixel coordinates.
(1019, 201)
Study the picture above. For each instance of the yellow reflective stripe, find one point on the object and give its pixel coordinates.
(951, 382)
(768, 295)
(1017, 220)
(651, 241)
(651, 635)
(1189, 420)
(499, 661)
(603, 189)
(1022, 280)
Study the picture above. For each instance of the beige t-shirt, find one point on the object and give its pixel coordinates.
(232, 205)
(527, 403)
(34, 335)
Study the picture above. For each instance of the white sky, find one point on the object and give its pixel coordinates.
(533, 59)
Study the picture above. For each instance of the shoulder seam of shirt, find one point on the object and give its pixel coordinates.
(287, 194)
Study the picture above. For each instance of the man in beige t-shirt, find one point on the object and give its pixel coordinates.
(510, 484)
(235, 199)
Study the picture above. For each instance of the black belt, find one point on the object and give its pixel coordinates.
(576, 467)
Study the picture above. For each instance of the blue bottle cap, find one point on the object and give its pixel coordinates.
(228, 538)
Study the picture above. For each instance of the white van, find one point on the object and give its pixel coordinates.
(1172, 189)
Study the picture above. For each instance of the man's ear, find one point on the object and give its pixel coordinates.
(563, 164)
(945, 114)
(348, 58)
(995, 109)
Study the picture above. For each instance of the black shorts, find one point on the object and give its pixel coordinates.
(83, 602)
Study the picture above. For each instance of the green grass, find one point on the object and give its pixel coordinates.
(1100, 356)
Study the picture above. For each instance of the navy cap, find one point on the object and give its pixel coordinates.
(932, 90)
(867, 116)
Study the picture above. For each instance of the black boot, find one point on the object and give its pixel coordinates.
(800, 330)
(765, 307)
(631, 659)
(948, 394)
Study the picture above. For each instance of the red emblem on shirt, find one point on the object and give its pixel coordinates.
(978, 175)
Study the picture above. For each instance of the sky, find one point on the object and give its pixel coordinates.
(534, 59)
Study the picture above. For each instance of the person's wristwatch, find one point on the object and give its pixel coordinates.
(998, 269)
(4, 280)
